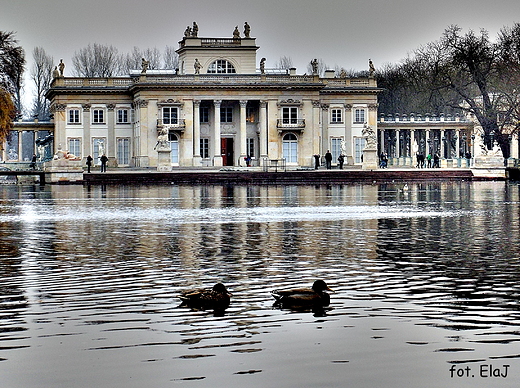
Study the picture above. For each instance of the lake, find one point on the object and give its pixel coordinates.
(426, 282)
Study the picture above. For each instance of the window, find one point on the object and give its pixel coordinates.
(290, 115)
(226, 114)
(170, 115)
(359, 115)
(123, 151)
(122, 116)
(174, 147)
(204, 148)
(335, 147)
(98, 147)
(74, 116)
(336, 116)
(290, 148)
(250, 114)
(250, 145)
(359, 144)
(98, 116)
(221, 66)
(204, 114)
(74, 147)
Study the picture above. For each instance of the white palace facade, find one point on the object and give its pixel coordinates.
(219, 107)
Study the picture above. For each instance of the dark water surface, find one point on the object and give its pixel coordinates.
(426, 280)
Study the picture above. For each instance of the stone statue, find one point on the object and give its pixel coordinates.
(262, 66)
(370, 137)
(343, 74)
(236, 33)
(247, 30)
(162, 139)
(197, 66)
(55, 72)
(187, 32)
(371, 68)
(195, 30)
(144, 65)
(343, 147)
(62, 67)
(314, 64)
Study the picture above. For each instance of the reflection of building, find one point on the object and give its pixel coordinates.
(402, 137)
(216, 109)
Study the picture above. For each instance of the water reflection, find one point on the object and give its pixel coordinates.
(424, 278)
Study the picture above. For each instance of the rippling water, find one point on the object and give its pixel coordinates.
(426, 281)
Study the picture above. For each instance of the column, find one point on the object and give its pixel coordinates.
(457, 144)
(196, 133)
(111, 136)
(87, 141)
(443, 141)
(243, 131)
(382, 141)
(263, 129)
(217, 156)
(397, 143)
(325, 128)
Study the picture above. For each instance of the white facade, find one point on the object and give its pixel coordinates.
(217, 109)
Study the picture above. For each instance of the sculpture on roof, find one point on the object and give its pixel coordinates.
(195, 30)
(314, 64)
(144, 65)
(187, 32)
(236, 33)
(247, 30)
(62, 67)
(371, 68)
(262, 66)
(197, 66)
(55, 72)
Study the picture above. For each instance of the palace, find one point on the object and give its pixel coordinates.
(217, 109)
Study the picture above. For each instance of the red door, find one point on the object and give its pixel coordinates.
(226, 147)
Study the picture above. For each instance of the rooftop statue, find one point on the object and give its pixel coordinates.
(314, 64)
(197, 66)
(236, 33)
(55, 72)
(144, 65)
(187, 32)
(262, 66)
(195, 30)
(247, 30)
(62, 67)
(371, 68)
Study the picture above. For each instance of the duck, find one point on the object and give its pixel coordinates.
(303, 297)
(216, 298)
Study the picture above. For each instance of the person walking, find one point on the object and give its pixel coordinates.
(103, 161)
(429, 160)
(89, 163)
(328, 160)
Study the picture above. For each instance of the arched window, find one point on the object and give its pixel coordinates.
(290, 148)
(221, 66)
(174, 146)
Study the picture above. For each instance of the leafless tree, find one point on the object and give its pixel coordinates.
(41, 75)
(284, 63)
(170, 58)
(97, 60)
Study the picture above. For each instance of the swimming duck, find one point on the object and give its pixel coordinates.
(303, 297)
(216, 298)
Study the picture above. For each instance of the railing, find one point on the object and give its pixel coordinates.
(79, 82)
(274, 163)
(290, 124)
(178, 124)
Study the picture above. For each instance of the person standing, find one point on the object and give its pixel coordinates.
(328, 160)
(89, 163)
(341, 160)
(103, 161)
(33, 162)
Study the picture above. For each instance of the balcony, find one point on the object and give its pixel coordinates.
(290, 124)
(171, 125)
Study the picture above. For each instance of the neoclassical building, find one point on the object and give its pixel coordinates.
(220, 106)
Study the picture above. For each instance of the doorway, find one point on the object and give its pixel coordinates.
(226, 147)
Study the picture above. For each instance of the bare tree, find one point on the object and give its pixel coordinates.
(284, 63)
(170, 58)
(41, 75)
(97, 60)
(12, 66)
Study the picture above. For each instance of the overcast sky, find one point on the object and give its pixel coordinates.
(340, 32)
